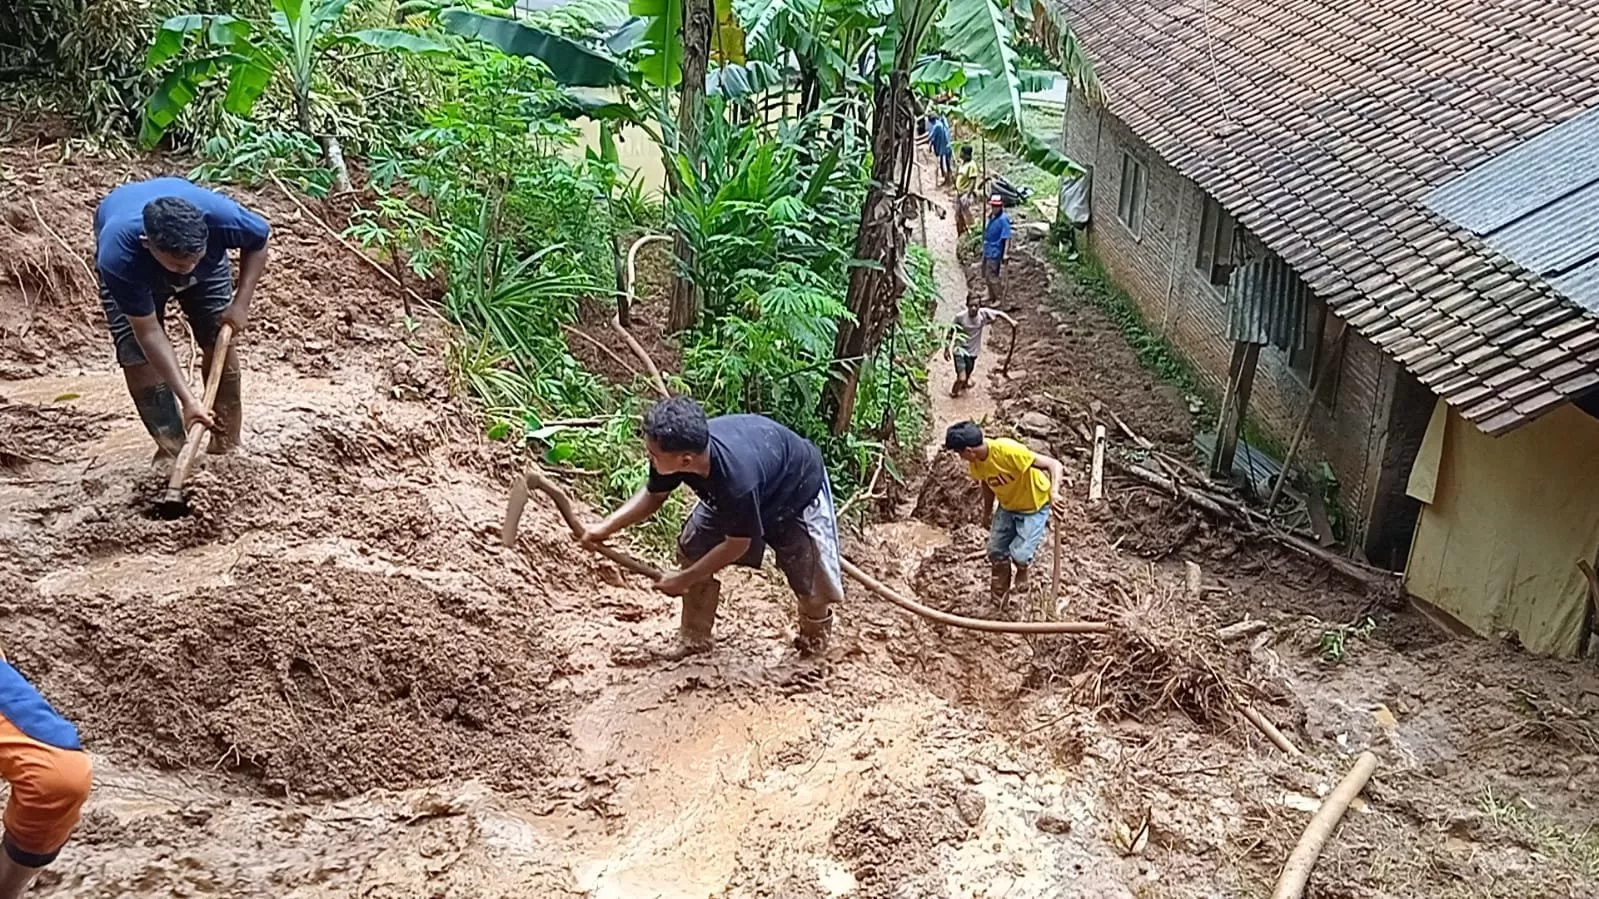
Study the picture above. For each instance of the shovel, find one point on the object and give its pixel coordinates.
(172, 503)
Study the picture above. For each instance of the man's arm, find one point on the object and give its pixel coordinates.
(727, 552)
(639, 507)
(954, 337)
(251, 264)
(157, 349)
(988, 501)
(1056, 472)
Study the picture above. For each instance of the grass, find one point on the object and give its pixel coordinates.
(1576, 850)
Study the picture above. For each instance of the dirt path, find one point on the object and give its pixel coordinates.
(975, 404)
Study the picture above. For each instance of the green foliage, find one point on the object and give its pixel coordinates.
(571, 60)
(1334, 642)
(246, 153)
(193, 50)
(79, 59)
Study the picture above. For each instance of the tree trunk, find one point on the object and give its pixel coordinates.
(697, 16)
(882, 238)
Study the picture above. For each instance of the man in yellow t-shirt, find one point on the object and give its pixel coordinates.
(1025, 484)
(968, 178)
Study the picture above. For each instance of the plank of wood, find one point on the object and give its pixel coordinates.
(1096, 482)
(1320, 523)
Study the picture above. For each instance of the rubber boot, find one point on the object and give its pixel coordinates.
(699, 619)
(228, 409)
(1023, 578)
(999, 582)
(814, 634)
(158, 409)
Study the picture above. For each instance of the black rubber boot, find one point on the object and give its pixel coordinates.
(813, 634)
(1023, 579)
(158, 409)
(228, 409)
(699, 618)
(999, 582)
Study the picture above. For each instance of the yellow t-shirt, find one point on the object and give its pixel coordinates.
(1008, 472)
(966, 177)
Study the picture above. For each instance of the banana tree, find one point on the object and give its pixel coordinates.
(250, 55)
(976, 34)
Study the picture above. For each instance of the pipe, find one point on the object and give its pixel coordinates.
(535, 479)
(1296, 871)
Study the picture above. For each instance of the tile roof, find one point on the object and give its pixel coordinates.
(1323, 126)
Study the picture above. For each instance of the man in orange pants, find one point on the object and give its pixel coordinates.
(41, 758)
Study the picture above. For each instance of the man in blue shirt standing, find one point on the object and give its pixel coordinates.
(939, 137)
(162, 238)
(996, 240)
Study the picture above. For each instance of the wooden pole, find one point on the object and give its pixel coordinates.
(1316, 389)
(1296, 872)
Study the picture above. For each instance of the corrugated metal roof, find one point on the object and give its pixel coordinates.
(1324, 125)
(1538, 204)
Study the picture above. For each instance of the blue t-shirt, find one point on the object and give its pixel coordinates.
(994, 236)
(938, 136)
(30, 713)
(127, 268)
(762, 475)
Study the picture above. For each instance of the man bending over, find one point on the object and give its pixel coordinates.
(162, 238)
(759, 483)
(1025, 484)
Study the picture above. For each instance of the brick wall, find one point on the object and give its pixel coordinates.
(1156, 268)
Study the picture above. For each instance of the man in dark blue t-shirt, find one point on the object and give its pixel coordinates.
(162, 238)
(759, 483)
(996, 240)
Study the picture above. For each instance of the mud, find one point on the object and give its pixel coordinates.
(331, 681)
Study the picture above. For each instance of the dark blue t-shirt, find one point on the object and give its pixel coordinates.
(127, 268)
(938, 136)
(762, 474)
(995, 233)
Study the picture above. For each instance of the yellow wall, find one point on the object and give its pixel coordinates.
(1503, 524)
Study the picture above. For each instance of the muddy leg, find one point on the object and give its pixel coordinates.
(1023, 578)
(694, 629)
(157, 407)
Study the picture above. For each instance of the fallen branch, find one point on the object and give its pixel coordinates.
(1277, 737)
(1296, 871)
(1096, 476)
(658, 382)
(602, 348)
(975, 624)
(64, 245)
(388, 275)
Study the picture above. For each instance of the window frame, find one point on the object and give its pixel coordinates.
(1132, 200)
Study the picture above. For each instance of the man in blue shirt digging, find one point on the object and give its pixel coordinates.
(996, 240)
(165, 238)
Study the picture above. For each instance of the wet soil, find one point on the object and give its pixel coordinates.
(330, 680)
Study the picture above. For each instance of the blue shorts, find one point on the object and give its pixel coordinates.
(203, 297)
(1016, 536)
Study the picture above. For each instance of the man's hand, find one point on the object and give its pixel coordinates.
(235, 316)
(946, 354)
(593, 537)
(195, 414)
(1058, 501)
(674, 584)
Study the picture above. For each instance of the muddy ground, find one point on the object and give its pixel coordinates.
(331, 680)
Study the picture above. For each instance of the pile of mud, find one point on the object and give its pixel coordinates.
(889, 842)
(317, 680)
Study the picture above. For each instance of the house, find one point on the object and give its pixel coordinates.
(1393, 202)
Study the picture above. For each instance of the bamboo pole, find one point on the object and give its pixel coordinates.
(1296, 871)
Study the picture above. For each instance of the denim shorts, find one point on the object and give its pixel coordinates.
(1016, 536)
(202, 297)
(964, 364)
